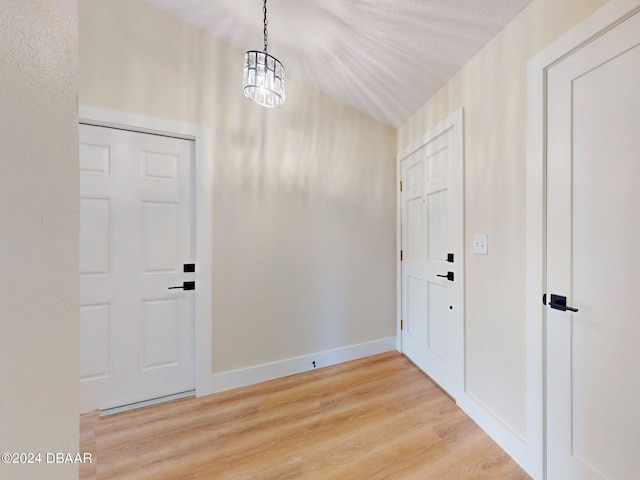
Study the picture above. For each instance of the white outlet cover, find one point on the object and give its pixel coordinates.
(480, 244)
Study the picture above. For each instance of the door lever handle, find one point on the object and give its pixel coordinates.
(186, 286)
(558, 302)
(448, 276)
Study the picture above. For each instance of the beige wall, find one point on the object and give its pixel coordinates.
(303, 246)
(492, 90)
(38, 234)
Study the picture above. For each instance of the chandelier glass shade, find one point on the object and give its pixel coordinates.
(263, 74)
(264, 79)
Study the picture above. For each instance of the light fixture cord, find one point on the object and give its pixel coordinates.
(264, 10)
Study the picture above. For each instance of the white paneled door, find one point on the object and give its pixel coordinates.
(136, 235)
(593, 265)
(432, 254)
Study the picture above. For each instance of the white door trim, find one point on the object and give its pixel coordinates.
(204, 218)
(601, 21)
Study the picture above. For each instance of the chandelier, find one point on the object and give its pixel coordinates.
(263, 74)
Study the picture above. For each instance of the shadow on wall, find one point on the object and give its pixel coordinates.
(312, 148)
(305, 204)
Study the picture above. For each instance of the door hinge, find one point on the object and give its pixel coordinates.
(400, 185)
(400, 255)
(401, 325)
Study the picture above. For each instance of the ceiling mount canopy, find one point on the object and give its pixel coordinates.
(263, 74)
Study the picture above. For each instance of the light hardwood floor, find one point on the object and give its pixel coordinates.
(374, 418)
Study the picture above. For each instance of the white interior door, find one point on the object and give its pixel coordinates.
(593, 231)
(136, 234)
(431, 267)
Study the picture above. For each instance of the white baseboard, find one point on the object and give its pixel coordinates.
(291, 366)
(507, 439)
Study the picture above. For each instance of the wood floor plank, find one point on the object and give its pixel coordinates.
(374, 418)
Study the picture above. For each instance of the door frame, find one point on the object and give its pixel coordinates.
(203, 205)
(604, 19)
(454, 122)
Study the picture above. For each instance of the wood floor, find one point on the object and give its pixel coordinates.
(375, 418)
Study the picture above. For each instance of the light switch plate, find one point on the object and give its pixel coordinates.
(480, 244)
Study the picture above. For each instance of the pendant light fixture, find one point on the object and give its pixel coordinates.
(263, 74)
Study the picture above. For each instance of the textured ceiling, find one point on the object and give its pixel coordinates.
(385, 58)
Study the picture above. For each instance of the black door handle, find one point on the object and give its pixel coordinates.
(448, 276)
(558, 302)
(186, 286)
